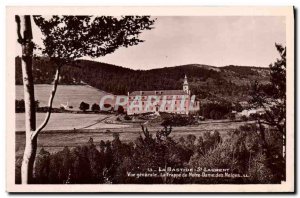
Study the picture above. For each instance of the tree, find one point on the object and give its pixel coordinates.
(238, 107)
(20, 105)
(120, 110)
(24, 33)
(95, 107)
(67, 38)
(272, 98)
(84, 106)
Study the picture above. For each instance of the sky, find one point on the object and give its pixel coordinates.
(211, 40)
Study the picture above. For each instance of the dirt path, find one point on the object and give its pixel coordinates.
(99, 121)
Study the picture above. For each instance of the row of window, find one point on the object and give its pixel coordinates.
(158, 109)
(143, 103)
(160, 97)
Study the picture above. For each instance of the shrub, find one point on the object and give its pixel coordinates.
(177, 120)
(84, 106)
(127, 117)
(95, 107)
(242, 153)
(232, 116)
(120, 110)
(215, 110)
(244, 118)
(20, 105)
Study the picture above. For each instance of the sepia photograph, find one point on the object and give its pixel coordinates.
(157, 99)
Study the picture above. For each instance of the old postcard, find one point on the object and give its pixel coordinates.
(150, 99)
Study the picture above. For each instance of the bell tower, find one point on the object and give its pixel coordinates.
(186, 85)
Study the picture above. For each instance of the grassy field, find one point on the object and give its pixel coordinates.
(73, 94)
(68, 121)
(55, 140)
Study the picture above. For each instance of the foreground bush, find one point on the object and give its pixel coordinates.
(177, 120)
(109, 162)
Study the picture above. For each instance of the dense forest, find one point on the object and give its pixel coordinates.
(230, 83)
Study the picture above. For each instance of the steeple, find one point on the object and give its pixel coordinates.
(186, 85)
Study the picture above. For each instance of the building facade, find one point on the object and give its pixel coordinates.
(170, 101)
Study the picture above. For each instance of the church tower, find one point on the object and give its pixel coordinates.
(186, 85)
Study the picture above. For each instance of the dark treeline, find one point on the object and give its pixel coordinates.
(230, 82)
(218, 110)
(20, 105)
(241, 151)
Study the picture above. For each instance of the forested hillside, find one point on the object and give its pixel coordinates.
(206, 82)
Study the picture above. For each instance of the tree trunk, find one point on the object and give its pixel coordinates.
(263, 139)
(28, 160)
(24, 33)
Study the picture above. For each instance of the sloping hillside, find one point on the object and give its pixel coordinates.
(207, 82)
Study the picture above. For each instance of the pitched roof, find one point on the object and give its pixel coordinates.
(158, 92)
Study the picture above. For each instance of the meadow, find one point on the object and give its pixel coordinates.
(73, 94)
(72, 129)
(65, 121)
(55, 140)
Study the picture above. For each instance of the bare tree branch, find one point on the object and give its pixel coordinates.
(50, 103)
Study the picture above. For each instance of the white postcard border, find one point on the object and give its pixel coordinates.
(287, 186)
